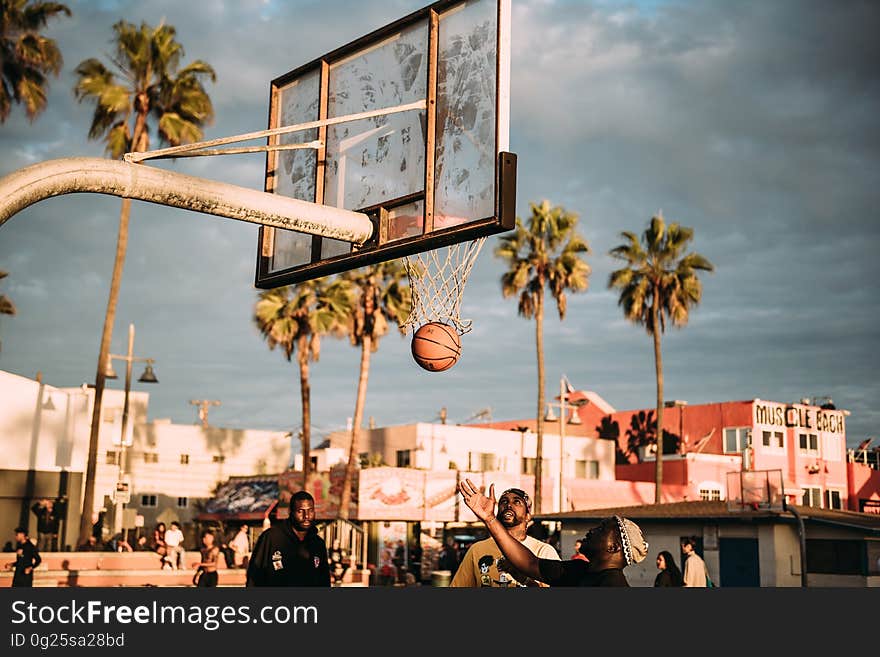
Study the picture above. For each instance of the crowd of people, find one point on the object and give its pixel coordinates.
(292, 553)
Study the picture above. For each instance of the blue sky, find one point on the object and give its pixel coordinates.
(755, 123)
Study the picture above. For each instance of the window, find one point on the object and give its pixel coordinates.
(151, 457)
(812, 497)
(218, 458)
(808, 443)
(403, 458)
(149, 501)
(184, 459)
(773, 439)
(112, 458)
(837, 557)
(182, 502)
(481, 462)
(710, 494)
(737, 439)
(833, 499)
(110, 415)
(586, 469)
(528, 465)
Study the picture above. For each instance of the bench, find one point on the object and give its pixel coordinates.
(107, 569)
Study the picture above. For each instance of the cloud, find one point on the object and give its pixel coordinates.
(752, 122)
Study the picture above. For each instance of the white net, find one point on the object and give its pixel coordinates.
(437, 279)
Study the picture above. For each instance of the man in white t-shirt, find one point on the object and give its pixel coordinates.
(174, 542)
(483, 564)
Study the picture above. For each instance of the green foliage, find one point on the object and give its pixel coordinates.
(26, 56)
(659, 276)
(286, 315)
(144, 82)
(6, 305)
(547, 252)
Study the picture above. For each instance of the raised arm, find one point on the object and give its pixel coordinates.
(484, 508)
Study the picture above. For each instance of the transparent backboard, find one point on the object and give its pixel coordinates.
(753, 490)
(428, 176)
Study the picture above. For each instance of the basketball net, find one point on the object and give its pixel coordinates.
(437, 279)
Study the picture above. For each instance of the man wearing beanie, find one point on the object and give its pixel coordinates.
(480, 566)
(609, 547)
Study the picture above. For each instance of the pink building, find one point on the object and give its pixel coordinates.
(806, 442)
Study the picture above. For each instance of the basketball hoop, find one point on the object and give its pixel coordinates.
(437, 279)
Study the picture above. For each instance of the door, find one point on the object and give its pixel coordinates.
(739, 562)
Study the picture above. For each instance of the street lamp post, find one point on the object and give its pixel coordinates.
(122, 492)
(565, 388)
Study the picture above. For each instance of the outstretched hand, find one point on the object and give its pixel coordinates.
(482, 506)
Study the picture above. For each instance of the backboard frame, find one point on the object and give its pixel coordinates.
(379, 247)
(755, 490)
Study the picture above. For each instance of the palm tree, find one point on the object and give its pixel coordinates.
(6, 305)
(381, 294)
(546, 253)
(659, 282)
(143, 83)
(295, 318)
(26, 56)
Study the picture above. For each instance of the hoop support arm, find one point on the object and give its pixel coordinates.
(29, 185)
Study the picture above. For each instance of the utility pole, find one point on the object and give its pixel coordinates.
(203, 405)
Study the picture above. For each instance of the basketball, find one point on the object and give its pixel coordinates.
(436, 347)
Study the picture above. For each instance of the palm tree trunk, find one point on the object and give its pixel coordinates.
(539, 441)
(85, 523)
(138, 141)
(306, 397)
(354, 449)
(658, 362)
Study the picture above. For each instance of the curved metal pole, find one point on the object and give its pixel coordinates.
(29, 185)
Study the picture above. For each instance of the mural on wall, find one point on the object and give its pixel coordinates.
(243, 497)
(325, 487)
(441, 488)
(392, 494)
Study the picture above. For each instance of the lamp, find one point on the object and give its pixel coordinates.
(108, 371)
(565, 389)
(149, 376)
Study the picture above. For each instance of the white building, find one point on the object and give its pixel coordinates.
(172, 468)
(425, 446)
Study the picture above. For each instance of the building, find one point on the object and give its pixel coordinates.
(806, 441)
(744, 547)
(171, 469)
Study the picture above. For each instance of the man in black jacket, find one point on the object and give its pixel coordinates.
(26, 559)
(291, 553)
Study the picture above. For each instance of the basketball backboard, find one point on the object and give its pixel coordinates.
(429, 166)
(755, 490)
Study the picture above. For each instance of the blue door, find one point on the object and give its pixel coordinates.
(739, 562)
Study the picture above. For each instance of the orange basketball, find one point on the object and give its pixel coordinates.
(436, 347)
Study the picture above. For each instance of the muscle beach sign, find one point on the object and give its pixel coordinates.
(799, 416)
